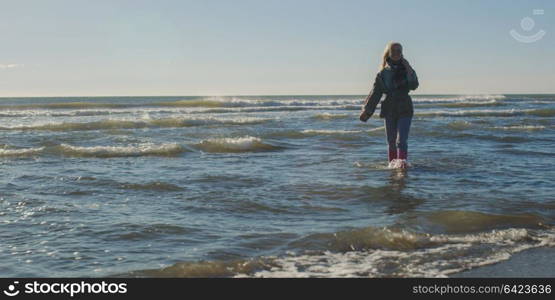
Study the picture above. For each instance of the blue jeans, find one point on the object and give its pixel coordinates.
(397, 133)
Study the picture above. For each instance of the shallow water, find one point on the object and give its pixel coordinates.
(270, 186)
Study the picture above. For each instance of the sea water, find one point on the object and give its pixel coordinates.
(271, 186)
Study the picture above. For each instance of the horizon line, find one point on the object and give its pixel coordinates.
(271, 95)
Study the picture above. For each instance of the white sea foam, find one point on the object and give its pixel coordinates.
(326, 131)
(235, 144)
(399, 164)
(488, 112)
(338, 131)
(457, 98)
(521, 127)
(326, 116)
(115, 151)
(454, 253)
(20, 152)
(130, 123)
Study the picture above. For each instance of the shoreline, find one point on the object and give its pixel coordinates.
(537, 262)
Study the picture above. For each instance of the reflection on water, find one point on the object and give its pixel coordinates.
(400, 202)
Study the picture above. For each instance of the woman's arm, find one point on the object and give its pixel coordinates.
(412, 79)
(372, 99)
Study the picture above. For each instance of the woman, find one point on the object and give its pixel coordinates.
(396, 78)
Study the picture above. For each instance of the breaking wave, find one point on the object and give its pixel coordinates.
(142, 123)
(393, 251)
(237, 144)
(546, 112)
(147, 149)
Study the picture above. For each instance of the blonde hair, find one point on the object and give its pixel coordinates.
(387, 51)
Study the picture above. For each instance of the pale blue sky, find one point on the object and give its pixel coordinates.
(270, 47)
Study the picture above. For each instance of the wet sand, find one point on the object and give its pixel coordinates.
(538, 262)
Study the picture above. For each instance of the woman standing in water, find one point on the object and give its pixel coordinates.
(396, 78)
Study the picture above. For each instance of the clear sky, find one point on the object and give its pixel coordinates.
(269, 47)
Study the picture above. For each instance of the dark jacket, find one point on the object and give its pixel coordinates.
(395, 82)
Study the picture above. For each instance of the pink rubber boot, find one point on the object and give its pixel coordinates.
(391, 155)
(403, 157)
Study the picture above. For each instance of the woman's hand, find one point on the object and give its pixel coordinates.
(364, 116)
(407, 65)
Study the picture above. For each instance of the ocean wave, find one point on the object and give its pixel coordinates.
(212, 106)
(461, 104)
(238, 104)
(436, 256)
(439, 227)
(88, 112)
(350, 102)
(520, 127)
(228, 101)
(523, 153)
(281, 108)
(216, 145)
(20, 152)
(375, 263)
(209, 102)
(462, 221)
(141, 123)
(237, 144)
(459, 131)
(66, 105)
(151, 186)
(243, 102)
(186, 109)
(456, 254)
(457, 98)
(329, 116)
(543, 101)
(329, 131)
(131, 231)
(157, 186)
(335, 134)
(460, 125)
(387, 251)
(170, 149)
(299, 134)
(545, 112)
(542, 112)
